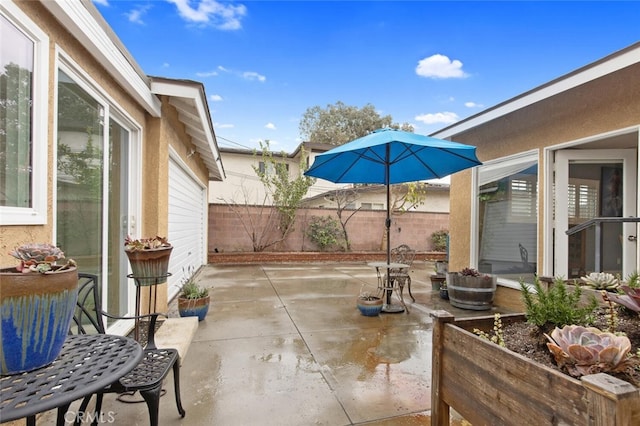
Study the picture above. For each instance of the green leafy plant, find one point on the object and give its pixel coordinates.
(439, 240)
(39, 257)
(633, 280)
(556, 306)
(190, 289)
(324, 231)
(586, 350)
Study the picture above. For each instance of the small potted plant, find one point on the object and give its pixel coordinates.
(470, 289)
(194, 299)
(149, 259)
(369, 305)
(38, 298)
(439, 277)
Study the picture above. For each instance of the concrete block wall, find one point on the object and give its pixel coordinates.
(366, 229)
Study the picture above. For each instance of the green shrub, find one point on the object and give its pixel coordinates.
(439, 240)
(324, 231)
(556, 306)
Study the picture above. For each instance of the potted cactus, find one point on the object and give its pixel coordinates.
(149, 259)
(38, 298)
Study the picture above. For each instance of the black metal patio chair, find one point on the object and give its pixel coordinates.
(154, 367)
(402, 254)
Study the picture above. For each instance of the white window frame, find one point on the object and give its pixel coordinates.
(37, 213)
(510, 162)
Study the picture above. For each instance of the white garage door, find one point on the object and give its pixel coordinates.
(187, 224)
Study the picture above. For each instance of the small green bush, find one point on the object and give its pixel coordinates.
(556, 306)
(439, 240)
(324, 231)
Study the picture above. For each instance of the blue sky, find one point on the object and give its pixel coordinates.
(263, 63)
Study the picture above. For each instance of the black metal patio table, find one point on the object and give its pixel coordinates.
(87, 364)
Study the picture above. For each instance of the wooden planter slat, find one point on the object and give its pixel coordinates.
(490, 385)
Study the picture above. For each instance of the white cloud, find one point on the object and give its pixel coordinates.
(270, 126)
(215, 98)
(165, 65)
(211, 12)
(439, 117)
(473, 105)
(440, 66)
(135, 15)
(221, 68)
(223, 126)
(207, 73)
(102, 2)
(250, 75)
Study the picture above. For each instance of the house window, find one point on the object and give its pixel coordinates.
(269, 168)
(23, 129)
(507, 217)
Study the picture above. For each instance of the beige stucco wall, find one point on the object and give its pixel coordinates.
(157, 134)
(606, 104)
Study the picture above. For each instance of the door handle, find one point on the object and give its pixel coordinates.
(632, 238)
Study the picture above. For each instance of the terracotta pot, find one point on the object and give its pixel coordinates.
(194, 307)
(36, 312)
(151, 266)
(370, 307)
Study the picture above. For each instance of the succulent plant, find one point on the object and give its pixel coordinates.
(588, 350)
(131, 244)
(631, 298)
(601, 281)
(38, 257)
(469, 272)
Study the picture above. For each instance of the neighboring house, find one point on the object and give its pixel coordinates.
(374, 197)
(554, 157)
(94, 150)
(242, 184)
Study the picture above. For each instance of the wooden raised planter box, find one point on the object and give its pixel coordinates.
(491, 385)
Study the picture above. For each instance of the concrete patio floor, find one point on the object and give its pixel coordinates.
(284, 344)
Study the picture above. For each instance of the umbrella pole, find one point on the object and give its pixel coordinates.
(388, 221)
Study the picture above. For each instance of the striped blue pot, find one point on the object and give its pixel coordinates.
(193, 307)
(36, 312)
(370, 307)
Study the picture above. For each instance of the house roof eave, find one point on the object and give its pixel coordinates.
(189, 99)
(604, 66)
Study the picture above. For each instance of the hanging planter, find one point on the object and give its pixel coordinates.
(37, 301)
(149, 259)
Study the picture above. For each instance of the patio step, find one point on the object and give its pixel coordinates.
(177, 333)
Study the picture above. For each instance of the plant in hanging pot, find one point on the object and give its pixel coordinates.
(470, 289)
(38, 298)
(149, 259)
(369, 305)
(194, 299)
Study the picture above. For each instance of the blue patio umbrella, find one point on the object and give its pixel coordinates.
(389, 156)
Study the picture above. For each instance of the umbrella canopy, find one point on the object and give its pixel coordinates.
(389, 156)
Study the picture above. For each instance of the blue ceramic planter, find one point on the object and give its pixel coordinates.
(370, 308)
(194, 307)
(36, 312)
